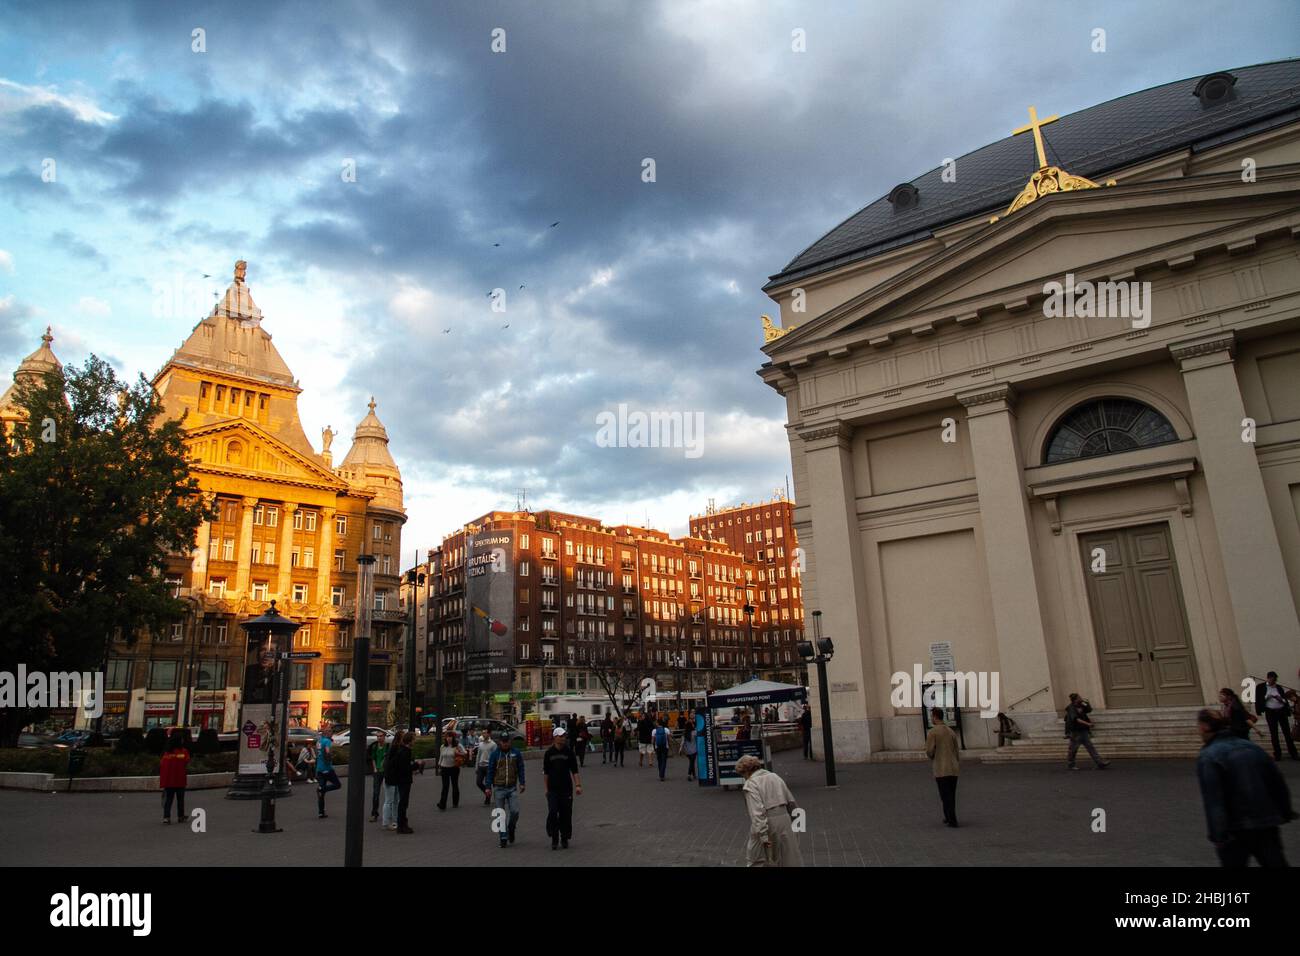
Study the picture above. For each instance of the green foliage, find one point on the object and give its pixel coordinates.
(131, 741)
(106, 763)
(87, 521)
(155, 741)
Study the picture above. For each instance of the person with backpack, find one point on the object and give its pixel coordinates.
(326, 778)
(173, 776)
(451, 758)
(1079, 729)
(375, 756)
(688, 746)
(506, 774)
(662, 739)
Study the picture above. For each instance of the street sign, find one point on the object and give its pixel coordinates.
(298, 655)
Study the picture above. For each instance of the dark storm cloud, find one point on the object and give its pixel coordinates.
(78, 248)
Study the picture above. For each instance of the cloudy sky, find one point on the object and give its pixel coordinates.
(171, 163)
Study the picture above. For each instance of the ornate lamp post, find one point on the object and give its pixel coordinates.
(823, 652)
(270, 635)
(748, 610)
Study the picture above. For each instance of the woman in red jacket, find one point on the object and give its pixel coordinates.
(172, 776)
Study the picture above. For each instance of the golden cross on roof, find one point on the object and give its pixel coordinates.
(1036, 125)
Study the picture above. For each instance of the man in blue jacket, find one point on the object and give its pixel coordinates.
(505, 774)
(1246, 799)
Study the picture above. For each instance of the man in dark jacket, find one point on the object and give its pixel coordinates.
(560, 778)
(1078, 727)
(1271, 702)
(1245, 797)
(805, 728)
(607, 739)
(399, 770)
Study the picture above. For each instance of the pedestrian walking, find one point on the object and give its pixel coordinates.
(607, 739)
(506, 773)
(805, 727)
(645, 729)
(688, 747)
(399, 773)
(1245, 796)
(326, 778)
(771, 805)
(1234, 713)
(941, 748)
(1078, 727)
(376, 753)
(581, 740)
(483, 754)
(620, 741)
(560, 780)
(173, 776)
(1271, 701)
(663, 738)
(451, 758)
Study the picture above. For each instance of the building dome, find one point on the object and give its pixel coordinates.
(370, 465)
(30, 371)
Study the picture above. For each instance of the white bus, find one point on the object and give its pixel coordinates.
(561, 707)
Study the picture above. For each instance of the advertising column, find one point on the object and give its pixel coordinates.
(489, 637)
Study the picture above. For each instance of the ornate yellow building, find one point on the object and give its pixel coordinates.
(287, 526)
(30, 370)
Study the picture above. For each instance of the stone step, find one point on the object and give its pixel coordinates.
(1084, 760)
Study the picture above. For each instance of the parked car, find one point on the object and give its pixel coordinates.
(473, 725)
(341, 739)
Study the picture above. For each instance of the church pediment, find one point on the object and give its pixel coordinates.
(1110, 232)
(240, 447)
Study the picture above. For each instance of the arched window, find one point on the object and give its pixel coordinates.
(1106, 426)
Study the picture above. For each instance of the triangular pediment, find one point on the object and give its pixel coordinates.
(239, 447)
(1100, 233)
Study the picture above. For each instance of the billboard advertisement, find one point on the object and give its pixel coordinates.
(490, 611)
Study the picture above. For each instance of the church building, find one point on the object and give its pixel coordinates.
(1043, 407)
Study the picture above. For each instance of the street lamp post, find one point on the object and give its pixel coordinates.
(414, 579)
(356, 808)
(273, 628)
(748, 611)
(820, 654)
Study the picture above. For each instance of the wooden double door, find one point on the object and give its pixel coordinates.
(1143, 642)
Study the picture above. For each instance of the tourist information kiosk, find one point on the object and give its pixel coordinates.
(718, 749)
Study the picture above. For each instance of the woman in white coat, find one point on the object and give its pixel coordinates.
(771, 839)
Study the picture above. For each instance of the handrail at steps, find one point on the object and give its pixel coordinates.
(1027, 696)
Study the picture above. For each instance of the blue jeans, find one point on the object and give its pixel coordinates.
(388, 816)
(507, 798)
(326, 780)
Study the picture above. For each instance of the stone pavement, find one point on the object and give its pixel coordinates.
(881, 815)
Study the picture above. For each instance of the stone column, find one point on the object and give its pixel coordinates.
(1262, 606)
(1009, 551)
(199, 566)
(284, 559)
(243, 547)
(325, 557)
(838, 577)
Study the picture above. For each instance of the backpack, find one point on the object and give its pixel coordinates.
(661, 738)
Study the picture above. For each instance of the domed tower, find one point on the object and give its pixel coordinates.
(30, 371)
(370, 465)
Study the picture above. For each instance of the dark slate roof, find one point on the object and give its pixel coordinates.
(1091, 143)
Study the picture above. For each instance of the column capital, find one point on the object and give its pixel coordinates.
(827, 434)
(248, 501)
(1213, 349)
(329, 512)
(999, 394)
(289, 507)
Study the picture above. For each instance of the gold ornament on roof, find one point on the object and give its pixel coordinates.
(1047, 179)
(771, 332)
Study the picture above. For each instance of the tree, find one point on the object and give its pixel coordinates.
(621, 680)
(95, 494)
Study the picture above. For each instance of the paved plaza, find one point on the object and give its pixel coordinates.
(881, 815)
